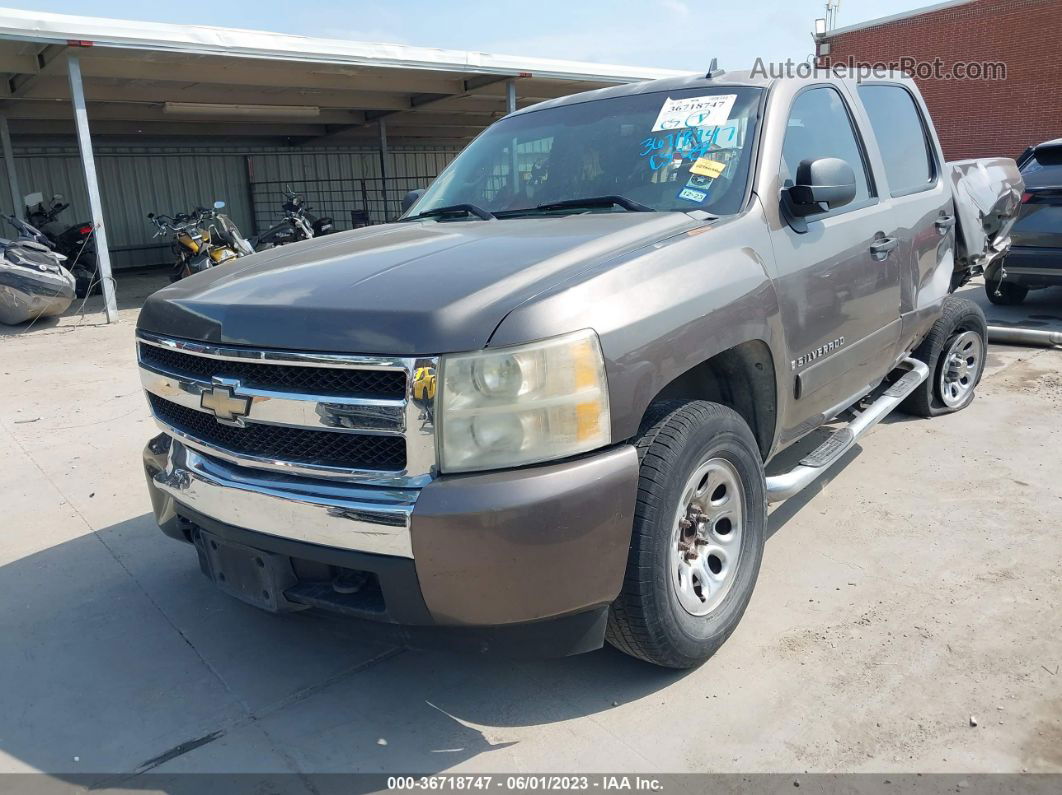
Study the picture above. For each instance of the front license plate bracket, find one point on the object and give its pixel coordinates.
(251, 575)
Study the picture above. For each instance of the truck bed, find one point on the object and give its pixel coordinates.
(987, 195)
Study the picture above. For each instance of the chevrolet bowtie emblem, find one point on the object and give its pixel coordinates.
(225, 405)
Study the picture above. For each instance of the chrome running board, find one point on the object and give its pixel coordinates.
(782, 487)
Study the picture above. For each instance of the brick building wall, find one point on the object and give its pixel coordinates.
(977, 118)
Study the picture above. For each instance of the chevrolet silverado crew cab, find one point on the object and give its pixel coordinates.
(534, 413)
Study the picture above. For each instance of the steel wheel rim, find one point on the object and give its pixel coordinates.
(707, 530)
(961, 364)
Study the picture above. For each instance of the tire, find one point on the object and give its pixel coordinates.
(960, 321)
(1010, 294)
(649, 618)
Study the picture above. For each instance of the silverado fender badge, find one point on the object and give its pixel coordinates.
(818, 353)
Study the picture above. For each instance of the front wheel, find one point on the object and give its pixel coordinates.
(698, 537)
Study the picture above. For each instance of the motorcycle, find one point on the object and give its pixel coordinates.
(76, 243)
(297, 224)
(33, 281)
(203, 239)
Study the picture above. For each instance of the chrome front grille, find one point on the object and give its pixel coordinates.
(364, 419)
(280, 443)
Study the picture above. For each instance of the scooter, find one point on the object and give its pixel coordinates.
(76, 243)
(33, 281)
(202, 239)
(297, 224)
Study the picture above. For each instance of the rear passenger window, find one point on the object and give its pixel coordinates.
(819, 126)
(901, 135)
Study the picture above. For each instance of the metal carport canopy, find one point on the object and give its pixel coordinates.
(155, 79)
(121, 78)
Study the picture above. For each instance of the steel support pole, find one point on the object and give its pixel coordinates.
(9, 163)
(383, 168)
(84, 142)
(510, 96)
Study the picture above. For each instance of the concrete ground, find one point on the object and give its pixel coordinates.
(912, 594)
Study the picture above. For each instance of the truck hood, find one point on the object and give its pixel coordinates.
(419, 287)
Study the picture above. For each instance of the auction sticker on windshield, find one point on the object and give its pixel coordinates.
(706, 167)
(707, 111)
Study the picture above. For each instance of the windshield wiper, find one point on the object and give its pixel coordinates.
(471, 209)
(598, 201)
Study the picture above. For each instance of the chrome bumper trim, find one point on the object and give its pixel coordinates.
(345, 516)
(1029, 270)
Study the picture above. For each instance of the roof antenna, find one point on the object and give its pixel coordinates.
(713, 69)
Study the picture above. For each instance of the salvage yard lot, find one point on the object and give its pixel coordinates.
(913, 592)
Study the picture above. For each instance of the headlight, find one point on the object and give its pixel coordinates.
(512, 406)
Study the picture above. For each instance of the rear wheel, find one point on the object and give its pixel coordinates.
(698, 535)
(955, 351)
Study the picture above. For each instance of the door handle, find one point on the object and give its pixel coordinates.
(945, 222)
(882, 247)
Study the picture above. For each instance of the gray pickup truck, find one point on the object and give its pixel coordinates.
(534, 413)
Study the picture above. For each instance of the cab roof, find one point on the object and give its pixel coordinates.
(755, 79)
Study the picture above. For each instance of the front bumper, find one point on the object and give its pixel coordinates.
(519, 560)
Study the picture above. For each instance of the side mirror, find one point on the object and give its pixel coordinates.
(821, 185)
(218, 205)
(411, 198)
(151, 215)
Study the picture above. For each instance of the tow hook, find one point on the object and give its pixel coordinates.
(349, 582)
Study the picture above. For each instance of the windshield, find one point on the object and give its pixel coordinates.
(678, 150)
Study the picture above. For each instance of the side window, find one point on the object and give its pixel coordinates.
(819, 126)
(902, 137)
